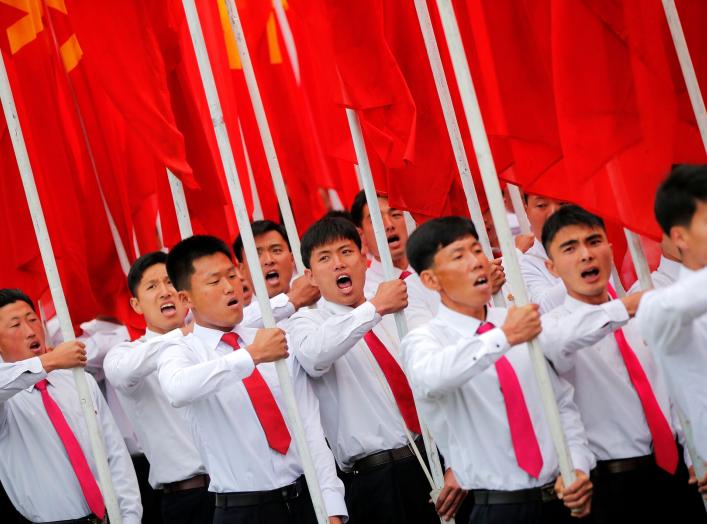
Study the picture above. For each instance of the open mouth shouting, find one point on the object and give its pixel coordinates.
(590, 275)
(233, 303)
(481, 281)
(35, 347)
(394, 241)
(272, 277)
(168, 309)
(344, 283)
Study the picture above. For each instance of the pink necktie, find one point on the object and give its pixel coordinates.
(83, 473)
(266, 409)
(525, 442)
(405, 273)
(664, 447)
(396, 379)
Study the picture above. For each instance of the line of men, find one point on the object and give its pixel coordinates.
(201, 390)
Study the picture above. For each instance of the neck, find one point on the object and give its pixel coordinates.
(690, 263)
(205, 324)
(401, 263)
(593, 300)
(477, 312)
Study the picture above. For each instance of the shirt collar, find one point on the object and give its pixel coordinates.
(572, 304)
(332, 307)
(537, 250)
(376, 267)
(150, 334)
(685, 272)
(463, 324)
(670, 267)
(212, 337)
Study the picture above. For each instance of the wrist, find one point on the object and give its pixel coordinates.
(253, 352)
(48, 363)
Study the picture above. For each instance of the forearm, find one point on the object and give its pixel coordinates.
(17, 376)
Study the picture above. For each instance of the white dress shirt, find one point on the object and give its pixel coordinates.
(422, 302)
(131, 368)
(673, 321)
(455, 382)
(359, 414)
(667, 273)
(34, 465)
(578, 339)
(282, 309)
(544, 289)
(203, 375)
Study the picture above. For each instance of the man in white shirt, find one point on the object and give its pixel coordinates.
(348, 349)
(619, 390)
(277, 263)
(46, 464)
(673, 320)
(473, 378)
(224, 379)
(131, 368)
(544, 288)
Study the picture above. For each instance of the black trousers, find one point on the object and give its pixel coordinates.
(191, 506)
(646, 495)
(149, 497)
(8, 513)
(394, 493)
(525, 513)
(296, 511)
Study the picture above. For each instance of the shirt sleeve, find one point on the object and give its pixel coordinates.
(435, 369)
(564, 334)
(282, 309)
(186, 378)
(318, 345)
(330, 484)
(662, 313)
(127, 364)
(545, 294)
(582, 457)
(16, 376)
(121, 466)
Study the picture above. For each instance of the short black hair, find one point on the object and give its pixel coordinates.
(357, 208)
(11, 295)
(260, 227)
(569, 215)
(327, 230)
(677, 197)
(433, 235)
(180, 261)
(142, 264)
(339, 213)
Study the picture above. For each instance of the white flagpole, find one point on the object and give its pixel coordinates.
(498, 211)
(688, 70)
(265, 135)
(388, 271)
(519, 209)
(62, 310)
(251, 253)
(257, 206)
(180, 205)
(644, 277)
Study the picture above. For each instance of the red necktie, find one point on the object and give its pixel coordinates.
(87, 481)
(266, 409)
(396, 379)
(404, 274)
(664, 447)
(525, 442)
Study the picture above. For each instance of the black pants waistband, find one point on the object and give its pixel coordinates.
(617, 466)
(380, 458)
(544, 493)
(254, 498)
(88, 519)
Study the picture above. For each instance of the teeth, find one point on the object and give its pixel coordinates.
(165, 306)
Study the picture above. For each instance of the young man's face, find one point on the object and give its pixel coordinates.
(395, 230)
(581, 256)
(246, 284)
(276, 261)
(539, 210)
(158, 302)
(460, 273)
(338, 269)
(215, 294)
(21, 333)
(691, 241)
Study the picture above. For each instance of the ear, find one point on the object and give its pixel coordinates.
(310, 277)
(550, 265)
(678, 235)
(135, 304)
(185, 298)
(430, 280)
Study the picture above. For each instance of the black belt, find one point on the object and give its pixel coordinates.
(89, 519)
(544, 493)
(198, 481)
(255, 498)
(614, 467)
(380, 458)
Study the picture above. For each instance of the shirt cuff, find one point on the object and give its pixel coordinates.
(616, 311)
(241, 363)
(335, 504)
(34, 365)
(366, 312)
(583, 461)
(495, 341)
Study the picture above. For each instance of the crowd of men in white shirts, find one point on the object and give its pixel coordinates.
(195, 408)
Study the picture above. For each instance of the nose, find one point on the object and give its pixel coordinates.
(388, 223)
(27, 330)
(266, 258)
(584, 252)
(165, 290)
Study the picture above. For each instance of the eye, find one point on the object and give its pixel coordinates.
(150, 286)
(323, 258)
(213, 282)
(277, 250)
(346, 251)
(15, 325)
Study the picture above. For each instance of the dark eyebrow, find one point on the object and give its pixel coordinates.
(594, 236)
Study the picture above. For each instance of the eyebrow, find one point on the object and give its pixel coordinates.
(594, 236)
(569, 243)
